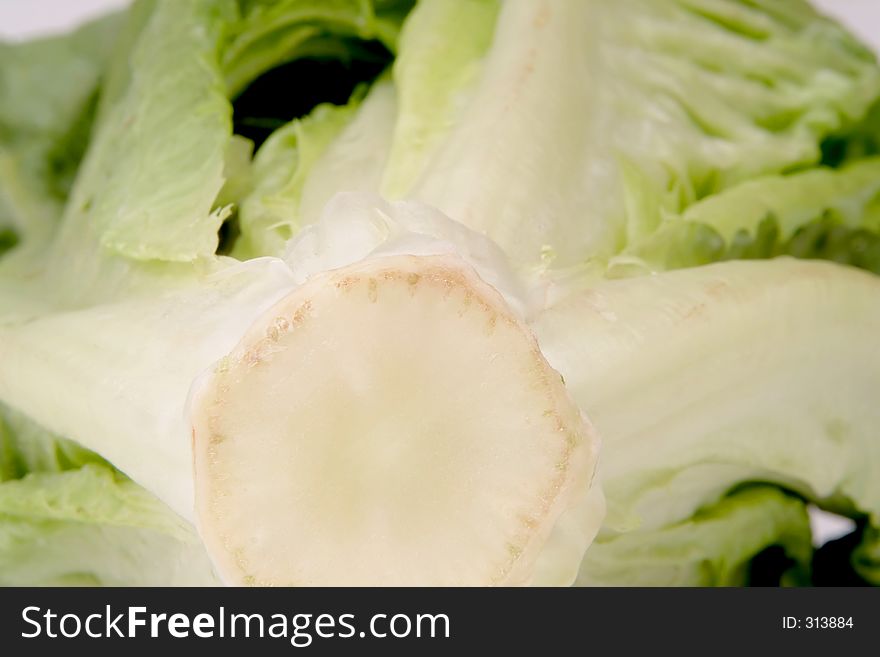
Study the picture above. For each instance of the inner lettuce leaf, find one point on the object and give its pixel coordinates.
(267, 215)
(442, 50)
(714, 547)
(854, 142)
(355, 160)
(68, 518)
(272, 33)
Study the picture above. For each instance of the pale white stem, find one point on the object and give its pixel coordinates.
(704, 378)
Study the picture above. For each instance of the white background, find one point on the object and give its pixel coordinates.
(26, 18)
(23, 19)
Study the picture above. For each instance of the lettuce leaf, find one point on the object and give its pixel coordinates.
(866, 557)
(575, 102)
(68, 518)
(822, 213)
(713, 547)
(48, 97)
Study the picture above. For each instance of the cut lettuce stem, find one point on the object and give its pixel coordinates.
(392, 421)
(703, 378)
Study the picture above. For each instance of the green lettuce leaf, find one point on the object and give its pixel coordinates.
(68, 518)
(271, 33)
(823, 213)
(644, 135)
(855, 142)
(156, 163)
(704, 378)
(711, 548)
(48, 94)
(576, 102)
(866, 557)
(707, 377)
(163, 169)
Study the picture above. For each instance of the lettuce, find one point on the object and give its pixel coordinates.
(707, 377)
(69, 518)
(545, 222)
(713, 547)
(48, 98)
(822, 213)
(586, 122)
(866, 557)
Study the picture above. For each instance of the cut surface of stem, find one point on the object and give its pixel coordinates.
(392, 423)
